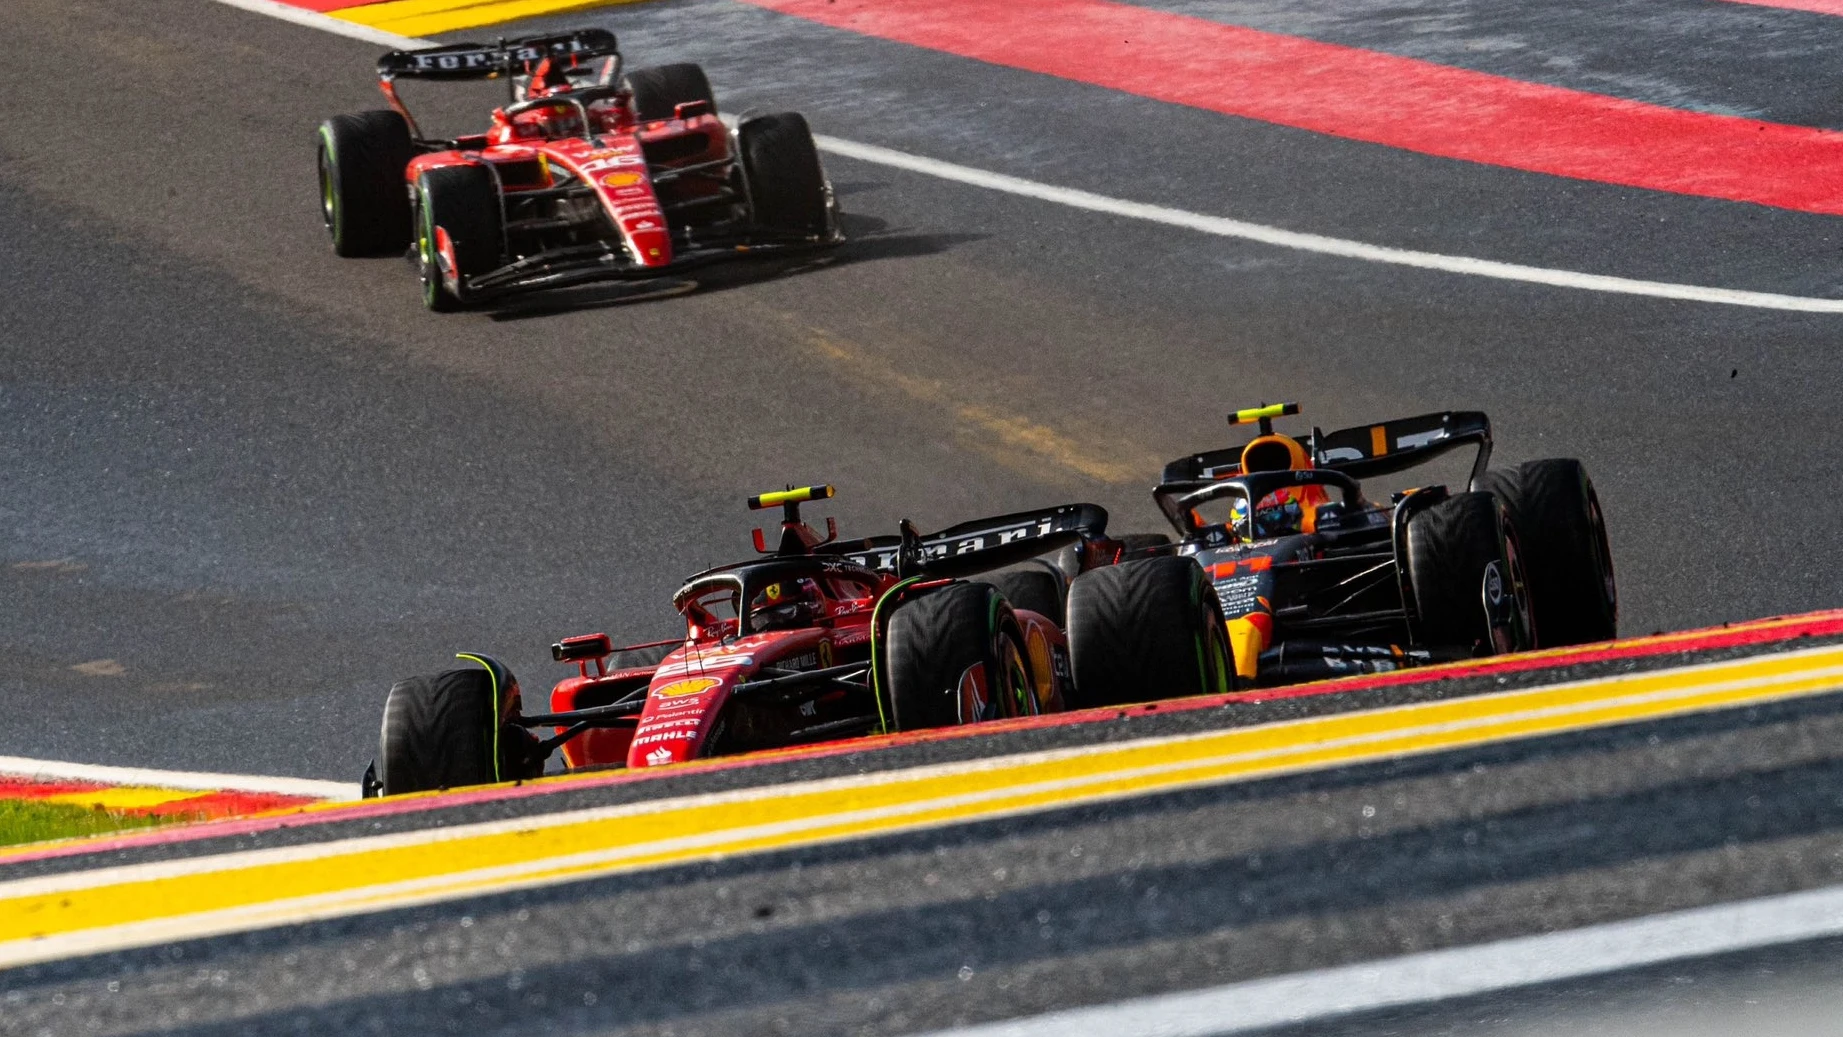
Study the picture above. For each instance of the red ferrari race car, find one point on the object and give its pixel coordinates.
(822, 639)
(585, 174)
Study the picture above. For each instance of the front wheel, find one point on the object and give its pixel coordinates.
(449, 730)
(780, 167)
(1147, 629)
(458, 232)
(1467, 576)
(956, 656)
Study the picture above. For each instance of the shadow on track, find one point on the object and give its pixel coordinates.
(867, 239)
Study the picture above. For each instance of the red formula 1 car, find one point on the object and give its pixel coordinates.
(585, 175)
(817, 640)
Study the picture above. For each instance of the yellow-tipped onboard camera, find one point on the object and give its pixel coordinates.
(1267, 410)
(791, 495)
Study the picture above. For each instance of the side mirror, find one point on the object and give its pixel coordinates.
(584, 647)
(691, 110)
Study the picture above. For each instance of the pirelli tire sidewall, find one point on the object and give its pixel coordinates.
(463, 202)
(956, 655)
(1146, 629)
(1566, 551)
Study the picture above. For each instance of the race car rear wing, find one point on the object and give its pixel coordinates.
(494, 60)
(981, 545)
(1363, 451)
(505, 59)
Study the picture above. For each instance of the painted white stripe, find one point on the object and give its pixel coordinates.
(1220, 226)
(59, 770)
(1228, 228)
(1691, 682)
(1319, 995)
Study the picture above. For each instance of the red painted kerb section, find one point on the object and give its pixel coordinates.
(1780, 630)
(1366, 96)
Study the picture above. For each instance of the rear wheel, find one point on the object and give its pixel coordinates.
(463, 203)
(1565, 549)
(1462, 561)
(1147, 629)
(780, 166)
(659, 90)
(1037, 586)
(363, 199)
(955, 656)
(445, 731)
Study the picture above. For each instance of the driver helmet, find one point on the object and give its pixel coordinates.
(786, 605)
(1288, 510)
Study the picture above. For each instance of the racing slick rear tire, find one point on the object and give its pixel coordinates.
(363, 199)
(955, 656)
(1566, 554)
(1145, 629)
(1452, 546)
(442, 730)
(659, 90)
(1037, 586)
(780, 168)
(463, 201)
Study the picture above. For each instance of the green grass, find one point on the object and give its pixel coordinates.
(29, 821)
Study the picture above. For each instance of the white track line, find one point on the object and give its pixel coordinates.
(1323, 994)
(58, 770)
(1219, 226)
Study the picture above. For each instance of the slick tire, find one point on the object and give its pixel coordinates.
(659, 90)
(1146, 629)
(1450, 546)
(464, 202)
(780, 168)
(363, 199)
(443, 731)
(1036, 586)
(955, 656)
(1566, 555)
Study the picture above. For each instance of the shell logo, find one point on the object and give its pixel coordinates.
(622, 179)
(686, 688)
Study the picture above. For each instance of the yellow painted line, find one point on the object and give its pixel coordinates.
(125, 797)
(429, 17)
(126, 906)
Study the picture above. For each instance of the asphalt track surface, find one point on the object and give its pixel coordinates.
(244, 484)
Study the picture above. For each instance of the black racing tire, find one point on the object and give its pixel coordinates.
(1147, 629)
(464, 201)
(933, 644)
(363, 198)
(1450, 545)
(1566, 553)
(780, 167)
(1037, 586)
(441, 731)
(659, 90)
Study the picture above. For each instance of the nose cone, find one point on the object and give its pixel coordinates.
(678, 713)
(648, 240)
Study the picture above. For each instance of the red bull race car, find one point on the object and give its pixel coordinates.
(1317, 580)
(586, 174)
(818, 639)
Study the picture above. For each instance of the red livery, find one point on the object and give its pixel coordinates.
(585, 174)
